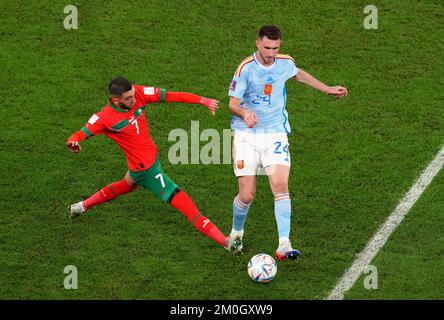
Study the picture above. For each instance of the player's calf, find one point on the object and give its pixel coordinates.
(182, 202)
(108, 193)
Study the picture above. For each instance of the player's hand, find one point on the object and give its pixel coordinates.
(211, 104)
(73, 146)
(338, 91)
(250, 118)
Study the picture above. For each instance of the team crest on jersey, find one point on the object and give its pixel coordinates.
(240, 164)
(233, 85)
(268, 89)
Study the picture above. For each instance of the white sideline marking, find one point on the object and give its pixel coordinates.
(384, 232)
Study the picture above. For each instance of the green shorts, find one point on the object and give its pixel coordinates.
(155, 180)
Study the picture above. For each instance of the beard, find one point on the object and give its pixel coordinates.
(267, 59)
(124, 106)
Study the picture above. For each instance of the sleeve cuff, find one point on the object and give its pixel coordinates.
(235, 95)
(162, 95)
(87, 132)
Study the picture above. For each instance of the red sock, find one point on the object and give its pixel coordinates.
(184, 204)
(108, 193)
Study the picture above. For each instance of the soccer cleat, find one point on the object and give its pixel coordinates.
(234, 242)
(76, 209)
(285, 251)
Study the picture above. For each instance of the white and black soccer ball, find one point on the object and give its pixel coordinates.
(262, 268)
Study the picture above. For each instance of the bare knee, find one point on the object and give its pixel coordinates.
(246, 196)
(247, 189)
(278, 177)
(279, 187)
(130, 180)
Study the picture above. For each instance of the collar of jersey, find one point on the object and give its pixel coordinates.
(261, 65)
(117, 108)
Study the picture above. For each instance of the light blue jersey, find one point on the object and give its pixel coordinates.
(262, 90)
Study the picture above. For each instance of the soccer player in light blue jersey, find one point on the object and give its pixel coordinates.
(260, 127)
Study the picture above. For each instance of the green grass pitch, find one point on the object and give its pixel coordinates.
(352, 159)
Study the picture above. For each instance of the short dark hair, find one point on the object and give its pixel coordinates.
(119, 85)
(271, 32)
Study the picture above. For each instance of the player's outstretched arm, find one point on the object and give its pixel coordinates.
(73, 142)
(304, 77)
(185, 97)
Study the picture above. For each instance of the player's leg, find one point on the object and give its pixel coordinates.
(278, 178)
(246, 164)
(241, 205)
(155, 180)
(105, 194)
(277, 163)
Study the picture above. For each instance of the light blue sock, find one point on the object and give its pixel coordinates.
(282, 212)
(240, 211)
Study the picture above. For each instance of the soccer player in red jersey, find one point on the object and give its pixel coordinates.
(123, 120)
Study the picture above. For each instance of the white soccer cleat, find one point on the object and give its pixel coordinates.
(76, 209)
(234, 242)
(285, 251)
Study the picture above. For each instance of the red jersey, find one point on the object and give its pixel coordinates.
(129, 128)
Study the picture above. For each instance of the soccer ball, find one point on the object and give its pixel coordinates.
(262, 268)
